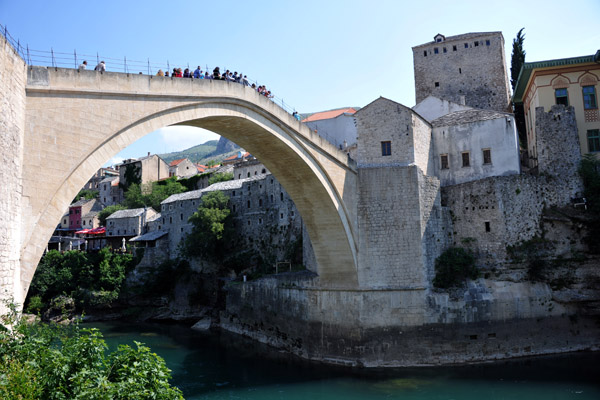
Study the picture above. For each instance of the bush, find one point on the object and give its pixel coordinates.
(58, 362)
(453, 267)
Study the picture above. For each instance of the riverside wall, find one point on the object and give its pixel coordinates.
(13, 76)
(379, 328)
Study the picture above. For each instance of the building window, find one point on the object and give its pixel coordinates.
(386, 148)
(435, 50)
(248, 222)
(454, 48)
(561, 96)
(248, 203)
(488, 228)
(181, 229)
(281, 215)
(437, 84)
(264, 171)
(460, 70)
(476, 43)
(248, 175)
(589, 98)
(444, 161)
(239, 176)
(445, 51)
(255, 172)
(292, 213)
(233, 193)
(425, 53)
(181, 216)
(233, 207)
(487, 42)
(260, 202)
(465, 159)
(170, 220)
(593, 136)
(84, 222)
(281, 196)
(260, 221)
(487, 156)
(64, 221)
(466, 45)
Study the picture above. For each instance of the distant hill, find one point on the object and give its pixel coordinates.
(213, 150)
(195, 154)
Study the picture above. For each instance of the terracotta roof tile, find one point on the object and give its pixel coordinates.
(329, 114)
(176, 162)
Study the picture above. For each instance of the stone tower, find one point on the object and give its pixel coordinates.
(467, 69)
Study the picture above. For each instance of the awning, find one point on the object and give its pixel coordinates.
(95, 231)
(83, 231)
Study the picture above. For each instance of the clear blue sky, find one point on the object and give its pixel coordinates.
(316, 55)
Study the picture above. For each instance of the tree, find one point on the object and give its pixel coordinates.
(211, 223)
(45, 361)
(517, 58)
(159, 191)
(516, 63)
(222, 177)
(88, 194)
(107, 211)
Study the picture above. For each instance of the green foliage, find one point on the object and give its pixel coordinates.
(212, 163)
(517, 58)
(88, 194)
(153, 195)
(222, 177)
(91, 279)
(211, 223)
(589, 170)
(107, 211)
(35, 305)
(132, 176)
(453, 267)
(40, 361)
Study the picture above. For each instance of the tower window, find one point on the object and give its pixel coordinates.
(425, 53)
(460, 70)
(487, 156)
(444, 161)
(386, 148)
(487, 42)
(466, 45)
(488, 228)
(445, 51)
(465, 159)
(436, 50)
(476, 43)
(437, 84)
(454, 48)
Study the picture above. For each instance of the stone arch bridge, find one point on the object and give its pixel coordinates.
(76, 120)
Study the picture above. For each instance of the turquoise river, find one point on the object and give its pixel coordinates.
(225, 366)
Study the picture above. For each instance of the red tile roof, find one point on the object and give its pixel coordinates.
(237, 155)
(329, 114)
(176, 162)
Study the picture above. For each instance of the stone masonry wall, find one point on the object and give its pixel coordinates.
(385, 120)
(389, 220)
(558, 150)
(13, 74)
(436, 226)
(477, 73)
(511, 205)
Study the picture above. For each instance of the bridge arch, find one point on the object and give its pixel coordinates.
(89, 117)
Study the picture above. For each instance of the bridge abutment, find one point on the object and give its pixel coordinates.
(13, 78)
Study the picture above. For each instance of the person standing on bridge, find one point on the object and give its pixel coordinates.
(83, 65)
(100, 67)
(198, 73)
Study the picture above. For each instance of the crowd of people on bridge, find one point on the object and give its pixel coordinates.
(198, 73)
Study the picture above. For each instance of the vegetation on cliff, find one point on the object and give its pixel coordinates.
(453, 267)
(90, 279)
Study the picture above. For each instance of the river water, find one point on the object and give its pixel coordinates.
(225, 366)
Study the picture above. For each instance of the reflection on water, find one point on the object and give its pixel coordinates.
(224, 366)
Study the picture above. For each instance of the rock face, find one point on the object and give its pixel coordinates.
(225, 146)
